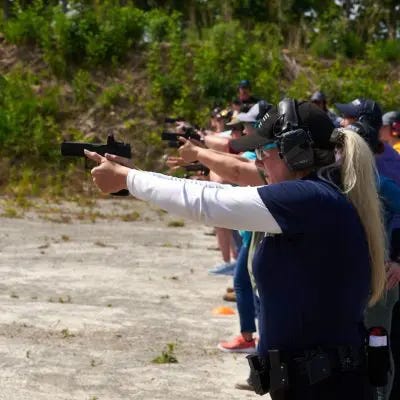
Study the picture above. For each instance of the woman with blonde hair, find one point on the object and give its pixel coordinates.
(321, 260)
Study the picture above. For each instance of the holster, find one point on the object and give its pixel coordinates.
(279, 371)
(259, 374)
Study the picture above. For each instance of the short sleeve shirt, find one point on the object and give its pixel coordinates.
(314, 278)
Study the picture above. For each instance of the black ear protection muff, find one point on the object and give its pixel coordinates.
(293, 140)
(368, 133)
(370, 114)
(263, 108)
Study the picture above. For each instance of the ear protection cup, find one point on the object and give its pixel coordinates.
(368, 133)
(294, 142)
(263, 108)
(371, 115)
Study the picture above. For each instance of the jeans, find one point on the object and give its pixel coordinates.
(244, 292)
(237, 240)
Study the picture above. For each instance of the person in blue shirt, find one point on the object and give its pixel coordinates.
(322, 258)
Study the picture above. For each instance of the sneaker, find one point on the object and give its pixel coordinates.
(230, 296)
(238, 345)
(245, 385)
(227, 268)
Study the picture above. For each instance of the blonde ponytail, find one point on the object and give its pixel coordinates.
(359, 182)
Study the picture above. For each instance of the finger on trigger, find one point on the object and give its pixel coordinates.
(182, 139)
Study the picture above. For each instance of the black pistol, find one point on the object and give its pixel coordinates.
(76, 149)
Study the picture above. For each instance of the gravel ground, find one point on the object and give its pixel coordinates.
(91, 293)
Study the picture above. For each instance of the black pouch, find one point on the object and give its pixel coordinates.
(378, 356)
(318, 367)
(259, 374)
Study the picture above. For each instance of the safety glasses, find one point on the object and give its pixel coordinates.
(260, 150)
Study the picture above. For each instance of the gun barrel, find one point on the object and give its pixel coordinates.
(170, 136)
(76, 149)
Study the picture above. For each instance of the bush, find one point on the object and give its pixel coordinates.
(351, 45)
(189, 76)
(119, 28)
(111, 95)
(83, 86)
(188, 71)
(84, 36)
(28, 128)
(29, 25)
(323, 46)
(384, 50)
(159, 24)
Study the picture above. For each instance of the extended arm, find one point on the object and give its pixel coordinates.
(226, 207)
(232, 168)
(219, 205)
(217, 142)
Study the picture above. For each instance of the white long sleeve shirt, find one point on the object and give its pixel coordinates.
(214, 204)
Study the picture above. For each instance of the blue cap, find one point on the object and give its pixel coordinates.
(364, 109)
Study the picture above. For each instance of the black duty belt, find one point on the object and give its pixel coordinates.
(315, 365)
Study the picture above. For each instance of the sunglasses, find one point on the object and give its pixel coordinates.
(260, 150)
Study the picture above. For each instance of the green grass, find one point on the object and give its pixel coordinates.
(178, 223)
(167, 356)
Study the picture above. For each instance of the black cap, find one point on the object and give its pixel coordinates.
(310, 117)
(362, 108)
(318, 96)
(244, 84)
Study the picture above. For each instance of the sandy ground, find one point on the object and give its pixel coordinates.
(88, 300)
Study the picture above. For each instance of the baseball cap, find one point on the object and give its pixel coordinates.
(244, 84)
(391, 117)
(318, 96)
(362, 108)
(255, 113)
(310, 117)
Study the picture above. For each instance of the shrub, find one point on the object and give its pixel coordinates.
(111, 95)
(83, 36)
(29, 25)
(384, 50)
(27, 119)
(83, 86)
(119, 28)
